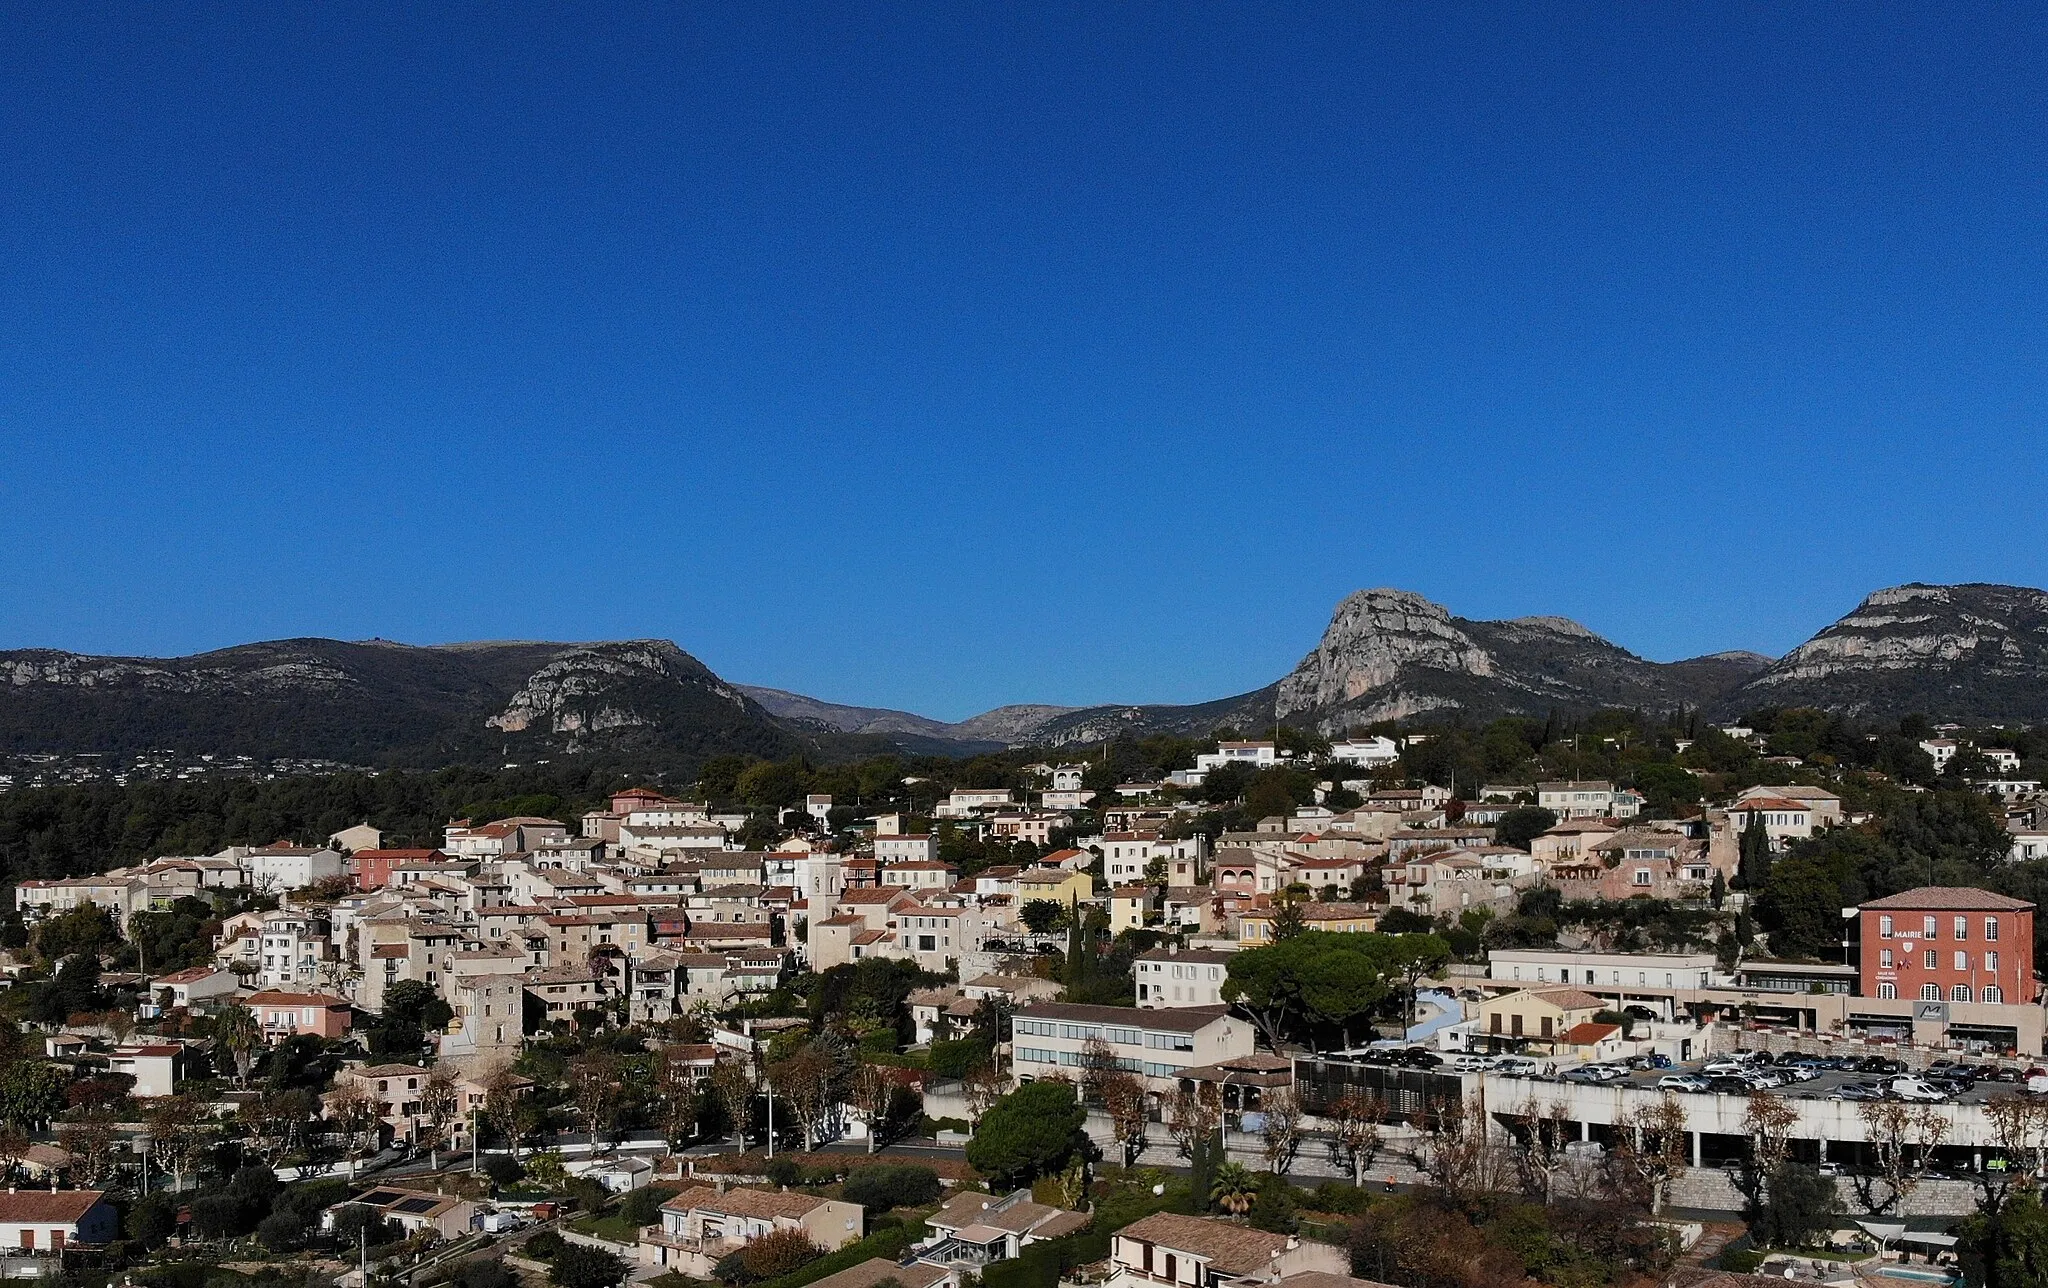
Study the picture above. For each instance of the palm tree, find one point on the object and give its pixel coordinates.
(236, 1032)
(1234, 1189)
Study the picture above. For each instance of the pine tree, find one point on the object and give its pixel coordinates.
(1753, 865)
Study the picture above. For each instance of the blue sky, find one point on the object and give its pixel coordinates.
(954, 356)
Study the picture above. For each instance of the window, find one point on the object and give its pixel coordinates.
(1991, 929)
(1884, 959)
(1930, 959)
(1962, 927)
(1993, 995)
(1887, 990)
(1960, 993)
(1642, 876)
(1927, 927)
(1962, 961)
(1930, 992)
(1884, 927)
(1990, 963)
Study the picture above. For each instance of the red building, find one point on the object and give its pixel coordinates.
(1948, 944)
(372, 868)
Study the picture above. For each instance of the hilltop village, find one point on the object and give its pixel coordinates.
(1264, 1011)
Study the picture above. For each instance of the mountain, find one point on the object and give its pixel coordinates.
(902, 728)
(1975, 653)
(378, 703)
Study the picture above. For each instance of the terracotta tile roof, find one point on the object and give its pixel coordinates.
(1950, 899)
(867, 1274)
(272, 997)
(47, 1207)
(1233, 1249)
(1589, 1033)
(759, 1204)
(1567, 999)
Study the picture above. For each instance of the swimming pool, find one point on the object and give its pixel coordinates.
(1917, 1274)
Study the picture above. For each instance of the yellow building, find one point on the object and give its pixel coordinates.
(1057, 884)
(1543, 1017)
(1256, 927)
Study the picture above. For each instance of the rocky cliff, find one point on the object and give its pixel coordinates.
(377, 703)
(1977, 653)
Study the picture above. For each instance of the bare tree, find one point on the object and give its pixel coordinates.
(1193, 1114)
(594, 1084)
(734, 1087)
(1540, 1140)
(353, 1110)
(439, 1103)
(871, 1092)
(1098, 1065)
(1650, 1150)
(1125, 1099)
(804, 1084)
(676, 1094)
(1281, 1135)
(1461, 1163)
(1355, 1120)
(92, 1143)
(1767, 1121)
(981, 1087)
(2017, 1126)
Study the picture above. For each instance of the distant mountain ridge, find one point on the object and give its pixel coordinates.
(1976, 652)
(1971, 652)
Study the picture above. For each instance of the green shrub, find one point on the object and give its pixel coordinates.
(784, 1171)
(1741, 1261)
(953, 1059)
(643, 1206)
(933, 1126)
(885, 1185)
(544, 1246)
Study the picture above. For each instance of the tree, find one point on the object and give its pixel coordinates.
(981, 1088)
(92, 1143)
(1753, 863)
(871, 1094)
(1651, 1150)
(354, 1115)
(735, 1092)
(778, 1253)
(1766, 1122)
(1523, 824)
(675, 1090)
(1800, 1207)
(1540, 1139)
(594, 1079)
(1234, 1189)
(177, 1130)
(1355, 1119)
(1272, 1209)
(2006, 1245)
(439, 1101)
(578, 1266)
(1193, 1113)
(1127, 1103)
(1041, 916)
(1280, 1136)
(808, 1085)
(414, 1002)
(31, 1093)
(1029, 1133)
(237, 1035)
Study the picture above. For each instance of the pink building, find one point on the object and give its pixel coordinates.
(283, 1015)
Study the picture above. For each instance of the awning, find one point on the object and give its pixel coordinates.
(1883, 1231)
(1929, 1239)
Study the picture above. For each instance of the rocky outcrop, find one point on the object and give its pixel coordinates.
(1973, 652)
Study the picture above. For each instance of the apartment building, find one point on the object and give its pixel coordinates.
(1155, 1043)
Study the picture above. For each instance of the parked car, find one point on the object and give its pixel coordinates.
(1684, 1082)
(1856, 1091)
(1724, 1068)
(1470, 1063)
(1917, 1090)
(1728, 1085)
(1417, 1058)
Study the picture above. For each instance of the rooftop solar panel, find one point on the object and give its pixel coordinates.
(416, 1205)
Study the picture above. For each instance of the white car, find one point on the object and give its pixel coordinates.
(1470, 1063)
(1517, 1066)
(1915, 1090)
(1682, 1082)
(1725, 1068)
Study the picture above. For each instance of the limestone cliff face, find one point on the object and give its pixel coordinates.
(1390, 654)
(378, 703)
(589, 688)
(1974, 652)
(1373, 639)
